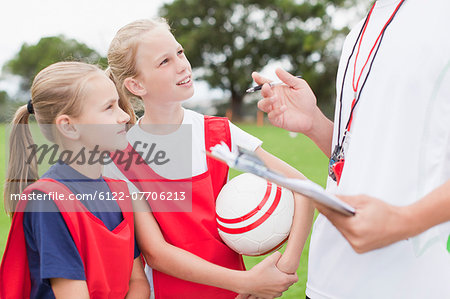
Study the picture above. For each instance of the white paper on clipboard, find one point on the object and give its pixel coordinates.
(248, 162)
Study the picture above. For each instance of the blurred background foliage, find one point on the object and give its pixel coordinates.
(225, 40)
(33, 58)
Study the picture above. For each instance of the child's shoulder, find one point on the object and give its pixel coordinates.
(191, 116)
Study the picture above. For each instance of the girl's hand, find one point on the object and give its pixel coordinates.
(245, 296)
(265, 280)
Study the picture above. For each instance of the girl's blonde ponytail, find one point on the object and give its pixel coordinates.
(20, 172)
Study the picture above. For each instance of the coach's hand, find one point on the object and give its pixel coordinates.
(376, 223)
(291, 106)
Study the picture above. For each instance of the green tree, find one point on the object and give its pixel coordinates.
(228, 39)
(33, 58)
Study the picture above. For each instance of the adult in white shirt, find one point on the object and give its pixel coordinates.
(396, 66)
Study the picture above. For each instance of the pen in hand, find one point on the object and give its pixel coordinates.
(259, 87)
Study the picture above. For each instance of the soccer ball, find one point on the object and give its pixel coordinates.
(254, 216)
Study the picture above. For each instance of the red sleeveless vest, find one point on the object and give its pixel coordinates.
(107, 255)
(194, 230)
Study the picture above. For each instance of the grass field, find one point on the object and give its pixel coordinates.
(299, 151)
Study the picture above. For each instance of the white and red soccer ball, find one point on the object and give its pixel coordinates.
(254, 216)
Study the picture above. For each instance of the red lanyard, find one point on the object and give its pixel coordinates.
(374, 51)
(337, 158)
(355, 86)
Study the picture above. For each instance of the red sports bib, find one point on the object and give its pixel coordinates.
(107, 255)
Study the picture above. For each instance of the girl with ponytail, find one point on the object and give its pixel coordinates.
(186, 257)
(60, 245)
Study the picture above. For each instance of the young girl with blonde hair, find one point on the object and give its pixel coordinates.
(59, 247)
(183, 248)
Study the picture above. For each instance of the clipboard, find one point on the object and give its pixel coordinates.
(247, 161)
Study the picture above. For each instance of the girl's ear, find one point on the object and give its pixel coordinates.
(66, 127)
(134, 86)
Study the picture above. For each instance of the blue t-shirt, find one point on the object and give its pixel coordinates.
(51, 250)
